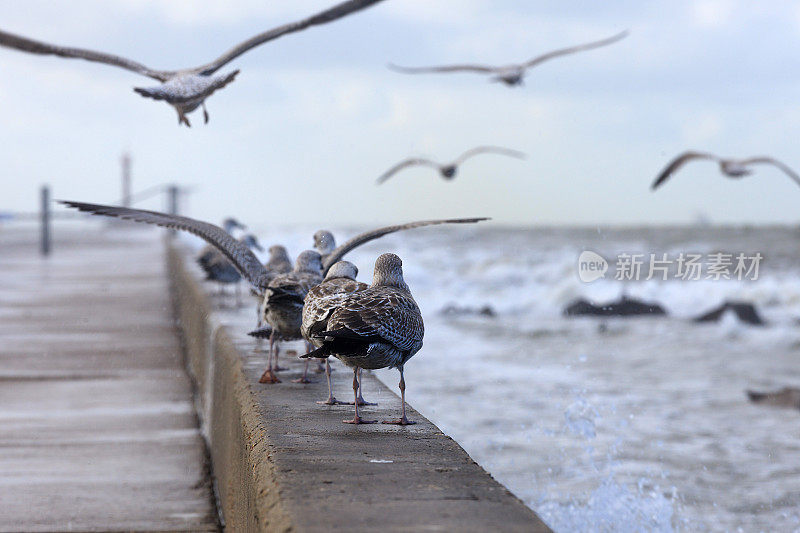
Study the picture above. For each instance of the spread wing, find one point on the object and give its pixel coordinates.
(381, 313)
(488, 150)
(329, 15)
(413, 161)
(443, 68)
(771, 161)
(573, 49)
(358, 240)
(677, 163)
(38, 47)
(246, 263)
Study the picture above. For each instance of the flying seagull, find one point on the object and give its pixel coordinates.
(513, 74)
(377, 327)
(732, 168)
(448, 170)
(185, 89)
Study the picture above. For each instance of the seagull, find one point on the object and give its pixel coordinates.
(222, 271)
(448, 170)
(378, 327)
(208, 253)
(185, 89)
(282, 308)
(325, 243)
(513, 74)
(320, 302)
(278, 261)
(732, 168)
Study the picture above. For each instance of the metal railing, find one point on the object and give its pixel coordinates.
(46, 215)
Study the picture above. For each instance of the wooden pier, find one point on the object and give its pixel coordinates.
(98, 430)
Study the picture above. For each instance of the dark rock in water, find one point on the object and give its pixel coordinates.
(745, 311)
(623, 307)
(452, 309)
(785, 397)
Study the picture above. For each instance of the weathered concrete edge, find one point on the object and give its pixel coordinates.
(247, 478)
(246, 484)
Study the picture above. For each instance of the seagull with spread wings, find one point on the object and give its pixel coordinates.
(185, 89)
(732, 168)
(448, 170)
(513, 74)
(236, 252)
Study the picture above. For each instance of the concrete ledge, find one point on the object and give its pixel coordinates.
(282, 462)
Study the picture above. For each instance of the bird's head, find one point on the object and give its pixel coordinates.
(278, 252)
(389, 272)
(342, 269)
(252, 242)
(324, 242)
(309, 261)
(448, 172)
(230, 224)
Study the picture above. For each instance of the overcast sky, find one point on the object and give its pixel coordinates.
(315, 117)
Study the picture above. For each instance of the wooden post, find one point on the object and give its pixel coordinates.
(45, 220)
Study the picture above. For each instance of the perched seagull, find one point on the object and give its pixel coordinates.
(378, 327)
(448, 170)
(513, 74)
(732, 168)
(185, 89)
(278, 261)
(208, 253)
(282, 308)
(223, 272)
(320, 302)
(325, 244)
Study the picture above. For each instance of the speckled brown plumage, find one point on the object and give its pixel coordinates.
(378, 327)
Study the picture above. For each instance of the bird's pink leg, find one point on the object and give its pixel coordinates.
(304, 377)
(331, 400)
(402, 421)
(269, 374)
(357, 419)
(276, 367)
(360, 400)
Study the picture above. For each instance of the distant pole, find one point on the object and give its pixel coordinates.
(45, 220)
(173, 192)
(126, 179)
(172, 198)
